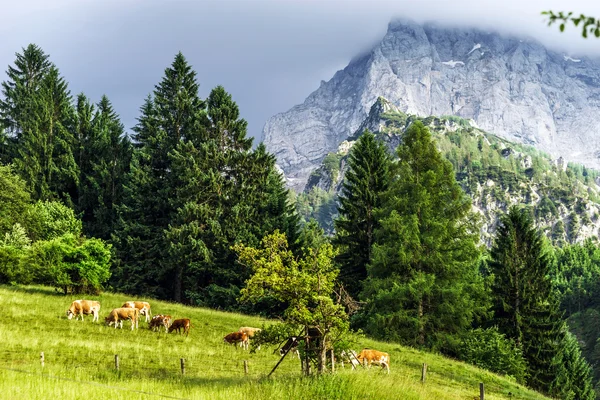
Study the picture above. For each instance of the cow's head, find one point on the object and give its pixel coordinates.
(70, 314)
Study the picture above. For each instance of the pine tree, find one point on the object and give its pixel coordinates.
(103, 157)
(39, 116)
(226, 194)
(367, 177)
(423, 283)
(174, 114)
(526, 308)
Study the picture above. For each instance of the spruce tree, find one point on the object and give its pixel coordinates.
(226, 194)
(366, 178)
(423, 283)
(526, 308)
(39, 116)
(173, 115)
(103, 157)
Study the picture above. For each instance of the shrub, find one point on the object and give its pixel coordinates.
(71, 264)
(12, 249)
(489, 349)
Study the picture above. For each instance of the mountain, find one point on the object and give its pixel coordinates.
(514, 87)
(494, 172)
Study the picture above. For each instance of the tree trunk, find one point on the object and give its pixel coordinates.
(421, 337)
(178, 283)
(306, 352)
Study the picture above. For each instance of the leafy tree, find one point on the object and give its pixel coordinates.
(69, 263)
(366, 179)
(14, 199)
(423, 285)
(489, 349)
(306, 284)
(47, 220)
(589, 25)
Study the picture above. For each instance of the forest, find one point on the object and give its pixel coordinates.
(185, 208)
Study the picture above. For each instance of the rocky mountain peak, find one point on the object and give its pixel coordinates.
(511, 86)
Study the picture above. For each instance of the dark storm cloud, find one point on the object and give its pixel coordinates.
(269, 54)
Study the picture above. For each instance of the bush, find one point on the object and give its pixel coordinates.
(489, 349)
(12, 249)
(71, 264)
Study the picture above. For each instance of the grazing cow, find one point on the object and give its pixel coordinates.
(291, 345)
(374, 357)
(84, 307)
(143, 306)
(179, 324)
(118, 315)
(160, 320)
(237, 337)
(250, 332)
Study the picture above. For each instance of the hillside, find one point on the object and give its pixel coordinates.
(494, 172)
(79, 360)
(512, 86)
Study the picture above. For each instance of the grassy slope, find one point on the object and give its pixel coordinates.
(32, 319)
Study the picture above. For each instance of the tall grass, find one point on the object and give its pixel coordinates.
(79, 360)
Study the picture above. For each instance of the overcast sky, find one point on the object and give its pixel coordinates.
(268, 54)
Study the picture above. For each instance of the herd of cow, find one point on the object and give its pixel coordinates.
(131, 310)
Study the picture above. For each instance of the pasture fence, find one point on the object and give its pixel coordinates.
(45, 375)
(185, 370)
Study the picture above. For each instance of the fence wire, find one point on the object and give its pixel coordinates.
(93, 383)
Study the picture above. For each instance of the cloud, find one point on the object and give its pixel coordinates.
(268, 54)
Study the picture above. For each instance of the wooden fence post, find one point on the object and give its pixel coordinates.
(481, 391)
(42, 358)
(332, 362)
(245, 367)
(117, 362)
(423, 373)
(182, 361)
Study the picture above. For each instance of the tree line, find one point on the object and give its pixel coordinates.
(186, 209)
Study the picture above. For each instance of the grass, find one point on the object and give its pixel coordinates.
(79, 360)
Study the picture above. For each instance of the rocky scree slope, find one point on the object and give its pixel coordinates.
(494, 172)
(513, 87)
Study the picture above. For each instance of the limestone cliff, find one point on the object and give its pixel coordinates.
(513, 87)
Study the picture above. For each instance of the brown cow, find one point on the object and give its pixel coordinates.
(118, 315)
(181, 324)
(84, 307)
(374, 357)
(250, 332)
(160, 320)
(143, 306)
(237, 337)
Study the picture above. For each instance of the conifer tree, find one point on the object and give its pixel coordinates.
(103, 157)
(173, 115)
(423, 283)
(366, 179)
(38, 114)
(526, 308)
(227, 194)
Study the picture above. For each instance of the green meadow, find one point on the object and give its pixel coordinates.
(80, 360)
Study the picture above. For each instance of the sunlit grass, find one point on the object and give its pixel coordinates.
(79, 360)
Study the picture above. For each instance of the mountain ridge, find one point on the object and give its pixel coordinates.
(513, 87)
(564, 198)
